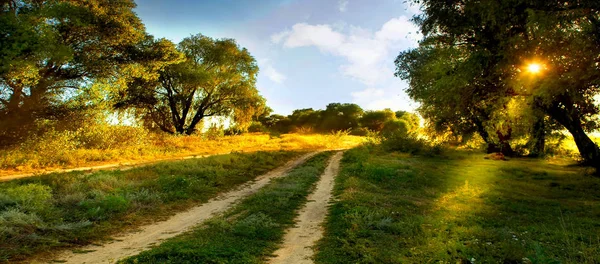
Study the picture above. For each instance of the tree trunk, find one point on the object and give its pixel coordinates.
(538, 137)
(505, 147)
(492, 147)
(589, 151)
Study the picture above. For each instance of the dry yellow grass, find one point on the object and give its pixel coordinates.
(42, 156)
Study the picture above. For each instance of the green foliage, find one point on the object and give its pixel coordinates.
(398, 208)
(52, 48)
(471, 66)
(340, 117)
(44, 213)
(34, 198)
(250, 231)
(375, 120)
(217, 78)
(411, 143)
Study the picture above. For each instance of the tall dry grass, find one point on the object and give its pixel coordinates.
(114, 144)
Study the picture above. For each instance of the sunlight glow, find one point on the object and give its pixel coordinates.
(534, 68)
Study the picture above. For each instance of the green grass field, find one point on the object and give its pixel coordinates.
(250, 231)
(460, 208)
(41, 214)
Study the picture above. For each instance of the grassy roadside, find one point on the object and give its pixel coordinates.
(58, 150)
(461, 208)
(251, 230)
(44, 213)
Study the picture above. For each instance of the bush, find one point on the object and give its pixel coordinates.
(392, 127)
(360, 131)
(105, 207)
(32, 198)
(109, 136)
(410, 143)
(214, 132)
(257, 127)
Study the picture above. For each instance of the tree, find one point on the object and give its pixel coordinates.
(340, 117)
(375, 120)
(492, 46)
(306, 118)
(412, 120)
(217, 78)
(50, 49)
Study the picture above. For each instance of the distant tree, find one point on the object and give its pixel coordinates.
(339, 117)
(375, 120)
(51, 49)
(307, 118)
(277, 123)
(217, 78)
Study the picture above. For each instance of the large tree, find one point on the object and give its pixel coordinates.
(50, 49)
(216, 78)
(494, 46)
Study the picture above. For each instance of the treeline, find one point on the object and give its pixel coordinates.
(336, 117)
(68, 65)
(508, 70)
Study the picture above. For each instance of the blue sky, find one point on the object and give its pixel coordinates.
(310, 52)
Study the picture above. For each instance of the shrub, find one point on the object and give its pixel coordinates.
(214, 132)
(392, 127)
(33, 198)
(257, 127)
(102, 136)
(410, 143)
(14, 222)
(103, 208)
(360, 131)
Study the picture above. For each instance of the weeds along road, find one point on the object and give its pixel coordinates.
(111, 166)
(298, 241)
(134, 243)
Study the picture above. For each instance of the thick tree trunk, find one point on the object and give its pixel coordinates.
(589, 151)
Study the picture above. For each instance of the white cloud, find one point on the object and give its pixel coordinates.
(369, 55)
(343, 5)
(368, 93)
(366, 52)
(413, 8)
(277, 38)
(322, 36)
(274, 75)
(374, 99)
(390, 96)
(398, 29)
(270, 71)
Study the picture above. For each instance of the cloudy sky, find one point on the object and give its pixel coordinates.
(310, 52)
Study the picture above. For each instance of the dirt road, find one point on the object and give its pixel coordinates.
(298, 241)
(136, 242)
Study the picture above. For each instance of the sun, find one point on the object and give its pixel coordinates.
(534, 68)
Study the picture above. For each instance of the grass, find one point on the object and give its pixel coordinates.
(249, 232)
(460, 208)
(67, 150)
(41, 214)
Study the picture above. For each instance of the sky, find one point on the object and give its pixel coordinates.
(310, 52)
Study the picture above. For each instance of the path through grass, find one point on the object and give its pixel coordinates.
(44, 213)
(249, 232)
